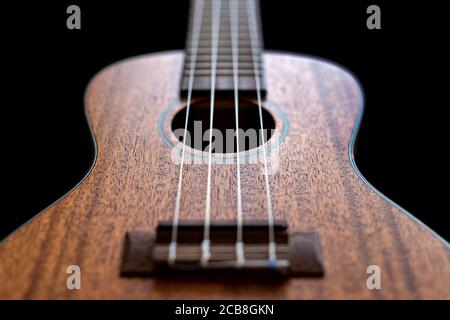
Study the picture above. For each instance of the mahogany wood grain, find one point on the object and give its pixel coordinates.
(133, 185)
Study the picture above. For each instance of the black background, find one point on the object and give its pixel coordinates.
(283, 309)
(46, 67)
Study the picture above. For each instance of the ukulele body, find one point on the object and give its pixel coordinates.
(317, 108)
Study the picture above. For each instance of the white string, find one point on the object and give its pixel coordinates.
(234, 28)
(215, 25)
(198, 14)
(254, 42)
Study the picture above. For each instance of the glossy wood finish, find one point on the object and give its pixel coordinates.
(133, 186)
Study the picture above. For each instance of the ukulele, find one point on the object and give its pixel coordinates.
(224, 171)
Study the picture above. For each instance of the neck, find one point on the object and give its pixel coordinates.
(200, 48)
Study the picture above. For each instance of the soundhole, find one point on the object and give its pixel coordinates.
(224, 126)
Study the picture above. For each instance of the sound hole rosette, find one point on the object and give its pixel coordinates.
(164, 127)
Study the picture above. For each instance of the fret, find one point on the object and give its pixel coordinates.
(243, 37)
(224, 85)
(224, 26)
(242, 20)
(220, 51)
(206, 57)
(248, 57)
(223, 43)
(224, 58)
(223, 65)
(222, 72)
(224, 5)
(225, 8)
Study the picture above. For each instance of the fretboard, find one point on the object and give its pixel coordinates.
(200, 53)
